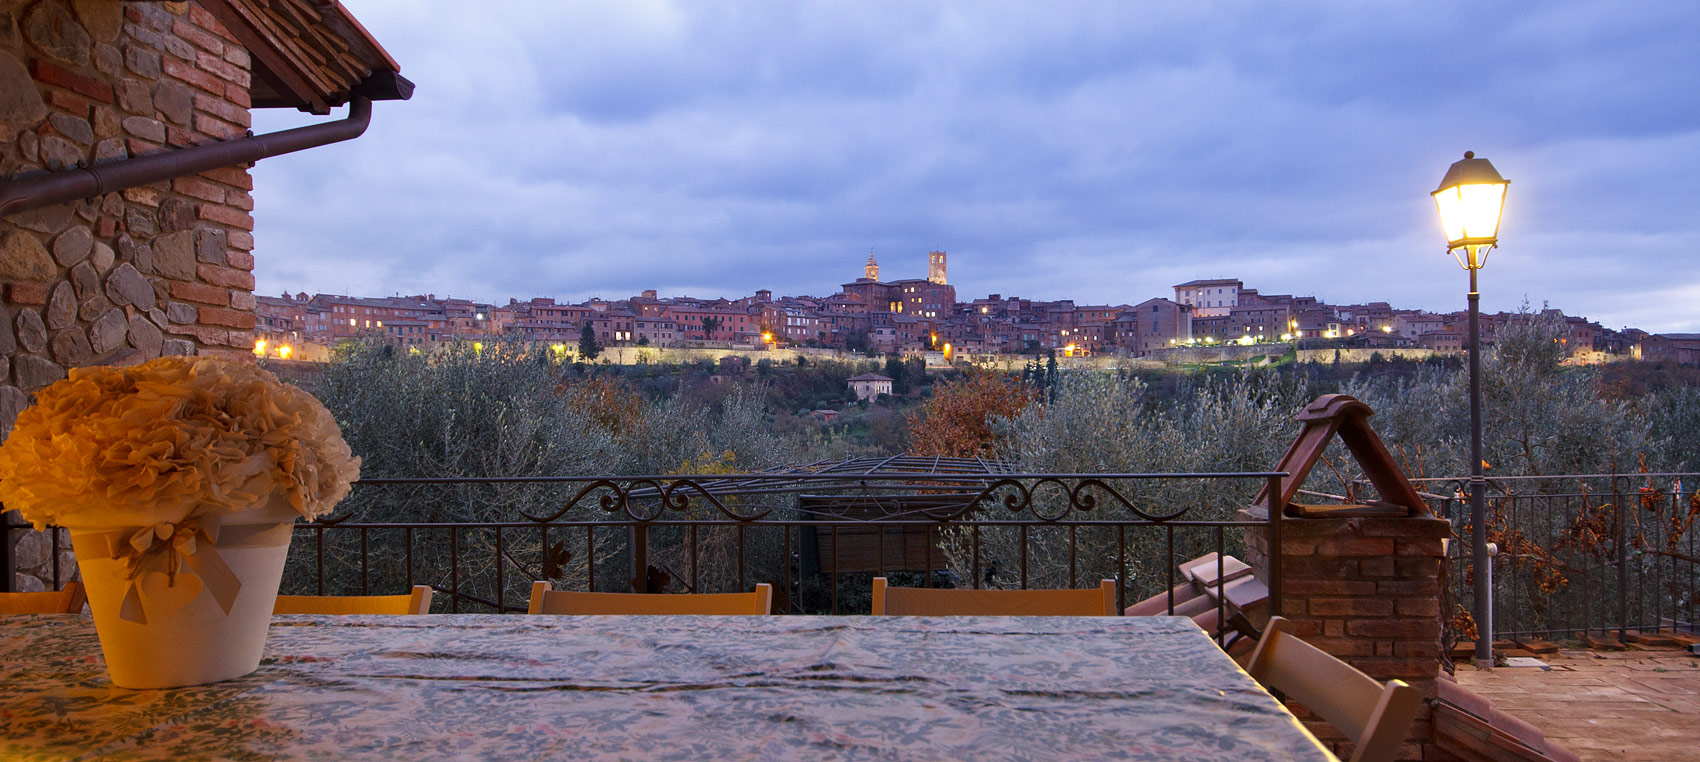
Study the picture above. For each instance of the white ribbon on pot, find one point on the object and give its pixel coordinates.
(167, 564)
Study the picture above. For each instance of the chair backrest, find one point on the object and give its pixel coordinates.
(1376, 717)
(548, 601)
(67, 601)
(416, 602)
(925, 601)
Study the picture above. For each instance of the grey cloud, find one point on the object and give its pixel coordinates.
(1099, 151)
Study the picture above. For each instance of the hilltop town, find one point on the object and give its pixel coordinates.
(907, 315)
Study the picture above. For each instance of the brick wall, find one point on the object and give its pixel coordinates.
(1368, 592)
(158, 269)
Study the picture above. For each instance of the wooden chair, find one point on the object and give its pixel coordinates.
(1376, 717)
(547, 601)
(416, 602)
(923, 601)
(67, 601)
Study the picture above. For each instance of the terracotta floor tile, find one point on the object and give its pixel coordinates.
(1629, 706)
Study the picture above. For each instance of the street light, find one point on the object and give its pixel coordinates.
(1470, 199)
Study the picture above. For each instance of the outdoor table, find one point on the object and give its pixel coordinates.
(508, 687)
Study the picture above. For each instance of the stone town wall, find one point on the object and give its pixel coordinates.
(158, 269)
(1366, 591)
(1364, 355)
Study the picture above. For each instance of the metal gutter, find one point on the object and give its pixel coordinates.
(85, 182)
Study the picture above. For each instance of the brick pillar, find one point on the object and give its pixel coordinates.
(1366, 590)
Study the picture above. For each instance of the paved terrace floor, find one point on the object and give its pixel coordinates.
(1628, 705)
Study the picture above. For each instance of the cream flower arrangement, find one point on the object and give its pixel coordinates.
(171, 439)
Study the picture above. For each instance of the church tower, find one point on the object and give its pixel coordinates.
(872, 270)
(935, 267)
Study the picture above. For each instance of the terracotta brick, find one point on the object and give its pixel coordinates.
(201, 18)
(241, 240)
(223, 69)
(1395, 628)
(240, 260)
(189, 73)
(1418, 606)
(1412, 649)
(70, 103)
(223, 109)
(232, 176)
(200, 292)
(1334, 628)
(1383, 648)
(1335, 587)
(225, 215)
(239, 199)
(1351, 607)
(226, 317)
(26, 293)
(201, 189)
(1318, 567)
(1425, 547)
(1405, 528)
(1376, 567)
(1427, 568)
(1356, 546)
(225, 276)
(49, 73)
(218, 128)
(199, 37)
(1344, 646)
(1385, 668)
(1410, 588)
(138, 146)
(1297, 547)
(238, 95)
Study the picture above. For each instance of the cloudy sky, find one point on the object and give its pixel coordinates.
(1099, 151)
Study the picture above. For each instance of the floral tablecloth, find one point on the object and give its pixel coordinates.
(722, 688)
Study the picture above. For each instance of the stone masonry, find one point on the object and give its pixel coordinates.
(1366, 590)
(161, 269)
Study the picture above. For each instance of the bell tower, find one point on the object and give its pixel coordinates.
(935, 267)
(871, 271)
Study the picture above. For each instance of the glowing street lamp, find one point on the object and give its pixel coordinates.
(260, 347)
(1471, 198)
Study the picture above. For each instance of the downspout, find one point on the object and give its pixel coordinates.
(85, 182)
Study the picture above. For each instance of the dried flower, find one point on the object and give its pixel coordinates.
(169, 438)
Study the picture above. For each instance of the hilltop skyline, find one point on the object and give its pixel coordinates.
(1101, 151)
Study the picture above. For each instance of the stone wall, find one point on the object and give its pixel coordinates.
(158, 269)
(1366, 591)
(1364, 355)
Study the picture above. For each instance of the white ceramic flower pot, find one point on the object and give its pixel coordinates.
(198, 642)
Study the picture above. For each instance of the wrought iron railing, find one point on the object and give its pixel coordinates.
(1580, 554)
(817, 538)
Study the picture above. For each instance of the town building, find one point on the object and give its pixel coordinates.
(1209, 298)
(1672, 347)
(869, 385)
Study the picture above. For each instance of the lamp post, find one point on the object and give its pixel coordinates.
(1470, 199)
